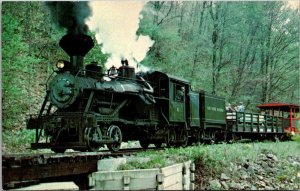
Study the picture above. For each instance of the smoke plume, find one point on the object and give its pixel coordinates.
(115, 24)
(70, 15)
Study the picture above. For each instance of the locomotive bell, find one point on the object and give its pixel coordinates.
(126, 71)
(76, 46)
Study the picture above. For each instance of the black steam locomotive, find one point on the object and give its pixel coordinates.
(85, 108)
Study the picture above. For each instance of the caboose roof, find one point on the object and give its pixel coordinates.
(279, 106)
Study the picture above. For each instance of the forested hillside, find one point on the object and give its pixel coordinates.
(244, 51)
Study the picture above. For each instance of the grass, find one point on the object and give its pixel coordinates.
(156, 161)
(215, 157)
(212, 160)
(17, 141)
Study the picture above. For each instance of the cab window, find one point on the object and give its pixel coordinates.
(178, 93)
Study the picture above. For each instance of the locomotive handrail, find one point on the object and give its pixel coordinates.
(164, 116)
(49, 79)
(79, 72)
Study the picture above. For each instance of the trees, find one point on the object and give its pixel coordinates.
(245, 51)
(16, 69)
(278, 51)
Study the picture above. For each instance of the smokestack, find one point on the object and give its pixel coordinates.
(76, 46)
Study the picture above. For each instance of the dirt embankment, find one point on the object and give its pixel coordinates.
(267, 172)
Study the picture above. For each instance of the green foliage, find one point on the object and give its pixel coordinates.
(16, 68)
(17, 141)
(296, 137)
(156, 162)
(213, 157)
(253, 57)
(289, 173)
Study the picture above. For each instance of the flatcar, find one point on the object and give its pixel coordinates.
(275, 121)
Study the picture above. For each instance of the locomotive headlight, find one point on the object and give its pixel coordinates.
(60, 64)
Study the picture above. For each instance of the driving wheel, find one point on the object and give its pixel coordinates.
(115, 134)
(144, 143)
(92, 137)
(171, 138)
(185, 138)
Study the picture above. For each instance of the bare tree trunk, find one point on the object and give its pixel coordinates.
(181, 20)
(201, 16)
(266, 61)
(214, 37)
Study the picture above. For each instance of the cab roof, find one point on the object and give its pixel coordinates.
(279, 106)
(170, 77)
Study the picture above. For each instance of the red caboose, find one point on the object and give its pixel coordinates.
(288, 113)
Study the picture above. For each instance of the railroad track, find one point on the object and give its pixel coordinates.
(20, 170)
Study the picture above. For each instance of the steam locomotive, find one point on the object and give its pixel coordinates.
(85, 108)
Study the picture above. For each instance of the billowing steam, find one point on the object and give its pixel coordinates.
(115, 24)
(70, 15)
